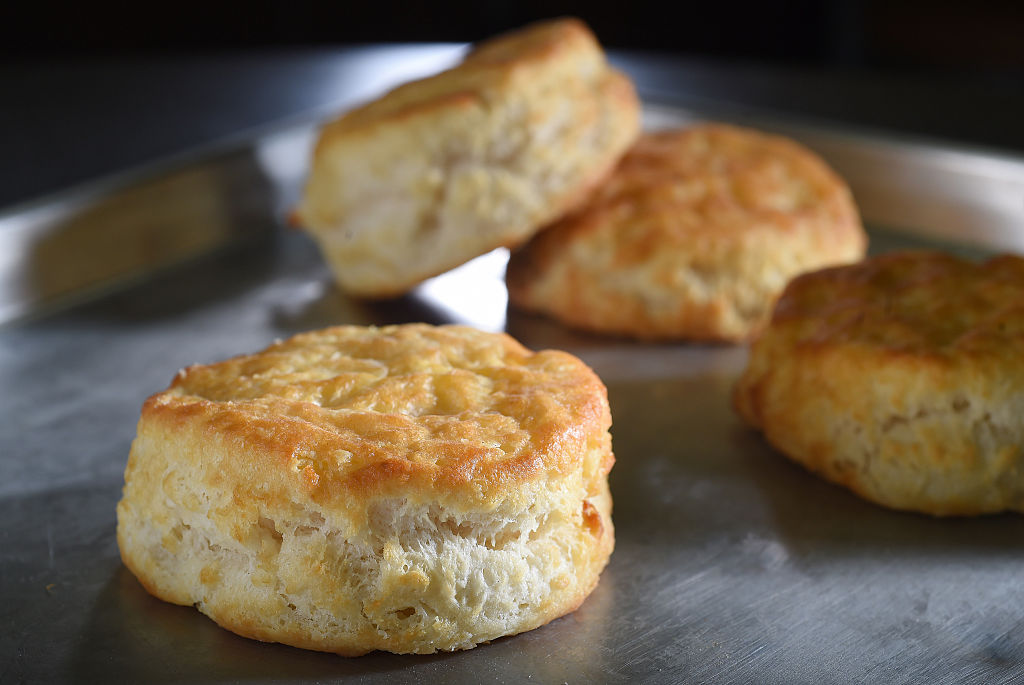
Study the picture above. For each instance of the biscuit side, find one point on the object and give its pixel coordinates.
(448, 168)
(252, 548)
(409, 488)
(693, 236)
(901, 379)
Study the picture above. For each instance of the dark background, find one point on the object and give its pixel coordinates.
(984, 37)
(91, 89)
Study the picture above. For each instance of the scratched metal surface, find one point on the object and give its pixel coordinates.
(731, 563)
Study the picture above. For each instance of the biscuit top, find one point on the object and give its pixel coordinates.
(353, 409)
(718, 183)
(561, 47)
(914, 303)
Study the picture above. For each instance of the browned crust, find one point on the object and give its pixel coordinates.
(910, 305)
(441, 170)
(492, 65)
(719, 205)
(314, 492)
(900, 378)
(547, 406)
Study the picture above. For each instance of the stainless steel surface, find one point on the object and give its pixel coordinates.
(128, 227)
(67, 121)
(731, 563)
(71, 247)
(132, 223)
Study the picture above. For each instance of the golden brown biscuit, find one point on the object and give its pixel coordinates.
(445, 169)
(407, 488)
(901, 378)
(693, 236)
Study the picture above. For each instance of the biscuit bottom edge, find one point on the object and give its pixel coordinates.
(417, 579)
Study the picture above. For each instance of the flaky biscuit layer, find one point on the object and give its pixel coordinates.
(444, 169)
(901, 378)
(692, 236)
(408, 488)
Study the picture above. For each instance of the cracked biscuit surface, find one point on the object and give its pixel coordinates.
(901, 378)
(444, 169)
(409, 488)
(692, 236)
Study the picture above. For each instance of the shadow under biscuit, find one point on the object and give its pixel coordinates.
(330, 306)
(133, 637)
(471, 294)
(540, 332)
(820, 521)
(729, 549)
(689, 472)
(130, 636)
(85, 618)
(78, 615)
(578, 647)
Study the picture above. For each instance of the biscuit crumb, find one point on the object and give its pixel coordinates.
(900, 378)
(481, 156)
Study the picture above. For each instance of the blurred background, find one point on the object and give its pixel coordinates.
(981, 36)
(92, 88)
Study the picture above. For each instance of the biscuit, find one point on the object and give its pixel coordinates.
(693, 236)
(900, 378)
(409, 488)
(447, 168)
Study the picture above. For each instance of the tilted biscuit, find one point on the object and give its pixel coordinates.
(693, 236)
(901, 378)
(447, 168)
(407, 488)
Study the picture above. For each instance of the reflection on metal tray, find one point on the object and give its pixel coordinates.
(731, 563)
(101, 237)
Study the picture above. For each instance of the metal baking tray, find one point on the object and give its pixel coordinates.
(731, 564)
